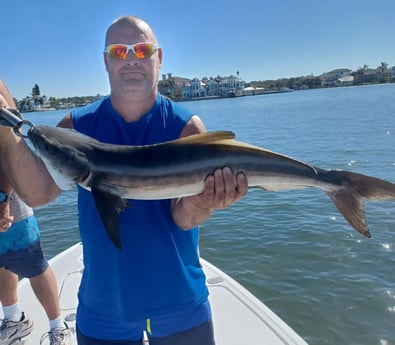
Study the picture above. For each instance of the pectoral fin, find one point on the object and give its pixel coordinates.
(109, 207)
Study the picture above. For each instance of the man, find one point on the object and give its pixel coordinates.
(155, 285)
(21, 255)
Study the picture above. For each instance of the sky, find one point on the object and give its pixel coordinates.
(58, 44)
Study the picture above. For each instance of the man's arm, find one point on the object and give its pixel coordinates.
(5, 218)
(25, 172)
(222, 189)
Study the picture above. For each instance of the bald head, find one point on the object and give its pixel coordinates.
(130, 27)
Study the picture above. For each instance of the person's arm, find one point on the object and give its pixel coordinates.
(5, 218)
(222, 189)
(25, 172)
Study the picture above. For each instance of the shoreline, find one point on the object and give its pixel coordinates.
(251, 93)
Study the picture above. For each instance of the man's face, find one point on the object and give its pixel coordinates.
(133, 74)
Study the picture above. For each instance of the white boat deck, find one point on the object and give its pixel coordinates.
(239, 317)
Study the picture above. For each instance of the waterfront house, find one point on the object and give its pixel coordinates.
(172, 86)
(375, 75)
(198, 88)
(212, 87)
(336, 77)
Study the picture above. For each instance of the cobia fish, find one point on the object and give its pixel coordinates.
(114, 173)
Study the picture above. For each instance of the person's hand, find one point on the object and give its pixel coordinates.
(222, 189)
(5, 218)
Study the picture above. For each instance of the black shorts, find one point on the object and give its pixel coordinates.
(200, 335)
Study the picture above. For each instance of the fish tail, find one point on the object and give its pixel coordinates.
(354, 190)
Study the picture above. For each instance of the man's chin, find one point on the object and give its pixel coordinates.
(134, 86)
(132, 75)
(134, 82)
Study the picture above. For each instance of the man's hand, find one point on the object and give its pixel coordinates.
(222, 189)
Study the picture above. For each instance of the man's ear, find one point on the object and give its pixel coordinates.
(105, 61)
(160, 56)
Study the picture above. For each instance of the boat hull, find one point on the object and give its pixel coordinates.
(238, 316)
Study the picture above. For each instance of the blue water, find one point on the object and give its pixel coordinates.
(293, 249)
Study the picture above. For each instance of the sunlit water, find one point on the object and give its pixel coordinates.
(293, 249)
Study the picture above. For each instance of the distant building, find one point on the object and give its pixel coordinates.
(336, 77)
(231, 86)
(172, 86)
(375, 75)
(345, 81)
(198, 88)
(213, 87)
(253, 90)
(37, 103)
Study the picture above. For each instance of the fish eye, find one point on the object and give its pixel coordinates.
(50, 148)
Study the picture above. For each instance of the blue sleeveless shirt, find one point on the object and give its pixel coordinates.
(157, 275)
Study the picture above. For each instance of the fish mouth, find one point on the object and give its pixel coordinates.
(35, 136)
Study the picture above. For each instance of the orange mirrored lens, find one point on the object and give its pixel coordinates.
(143, 50)
(118, 51)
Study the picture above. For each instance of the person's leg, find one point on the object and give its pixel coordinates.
(8, 288)
(44, 284)
(46, 290)
(15, 325)
(9, 296)
(32, 264)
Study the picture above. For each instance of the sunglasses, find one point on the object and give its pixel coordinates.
(140, 50)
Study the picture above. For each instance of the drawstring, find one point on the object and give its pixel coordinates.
(145, 340)
(148, 326)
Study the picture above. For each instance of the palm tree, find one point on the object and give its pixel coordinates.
(359, 74)
(383, 66)
(384, 72)
(167, 87)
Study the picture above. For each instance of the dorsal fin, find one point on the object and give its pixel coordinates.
(228, 138)
(206, 138)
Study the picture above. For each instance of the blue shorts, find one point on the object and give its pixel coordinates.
(20, 249)
(200, 335)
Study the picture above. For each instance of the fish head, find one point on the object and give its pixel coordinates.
(63, 152)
